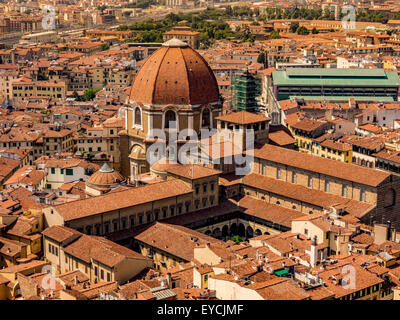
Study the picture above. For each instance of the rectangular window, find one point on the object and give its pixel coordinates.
(132, 220)
(294, 177)
(310, 182)
(326, 186)
(53, 170)
(278, 173)
(69, 172)
(263, 170)
(108, 276)
(344, 191)
(102, 274)
(362, 195)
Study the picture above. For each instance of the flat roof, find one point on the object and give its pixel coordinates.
(344, 98)
(335, 77)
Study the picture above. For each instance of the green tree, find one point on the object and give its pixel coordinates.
(76, 96)
(89, 94)
(229, 11)
(237, 239)
(294, 26)
(261, 58)
(274, 34)
(302, 30)
(314, 31)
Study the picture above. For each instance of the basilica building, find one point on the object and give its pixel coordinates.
(175, 89)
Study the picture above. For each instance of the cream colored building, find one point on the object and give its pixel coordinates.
(99, 259)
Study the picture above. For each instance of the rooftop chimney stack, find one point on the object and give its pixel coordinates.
(314, 252)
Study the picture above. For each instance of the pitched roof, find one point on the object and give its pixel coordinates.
(87, 247)
(267, 211)
(243, 117)
(176, 240)
(307, 195)
(123, 199)
(333, 168)
(192, 171)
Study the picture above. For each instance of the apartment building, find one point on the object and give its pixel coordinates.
(103, 138)
(24, 88)
(98, 258)
(185, 34)
(57, 141)
(8, 73)
(158, 242)
(60, 171)
(374, 190)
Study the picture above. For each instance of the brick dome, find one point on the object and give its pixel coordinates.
(106, 177)
(175, 74)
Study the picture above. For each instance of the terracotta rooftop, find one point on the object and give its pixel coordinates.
(243, 117)
(123, 199)
(176, 240)
(192, 171)
(306, 195)
(333, 168)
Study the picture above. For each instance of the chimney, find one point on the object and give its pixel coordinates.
(169, 280)
(314, 252)
(352, 103)
(389, 232)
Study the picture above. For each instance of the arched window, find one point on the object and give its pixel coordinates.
(205, 119)
(170, 119)
(138, 116)
(390, 198)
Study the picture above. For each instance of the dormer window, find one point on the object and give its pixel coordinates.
(205, 119)
(170, 120)
(138, 116)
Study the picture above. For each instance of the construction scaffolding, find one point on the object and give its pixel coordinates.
(246, 90)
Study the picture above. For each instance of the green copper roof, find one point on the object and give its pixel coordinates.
(281, 272)
(344, 98)
(335, 77)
